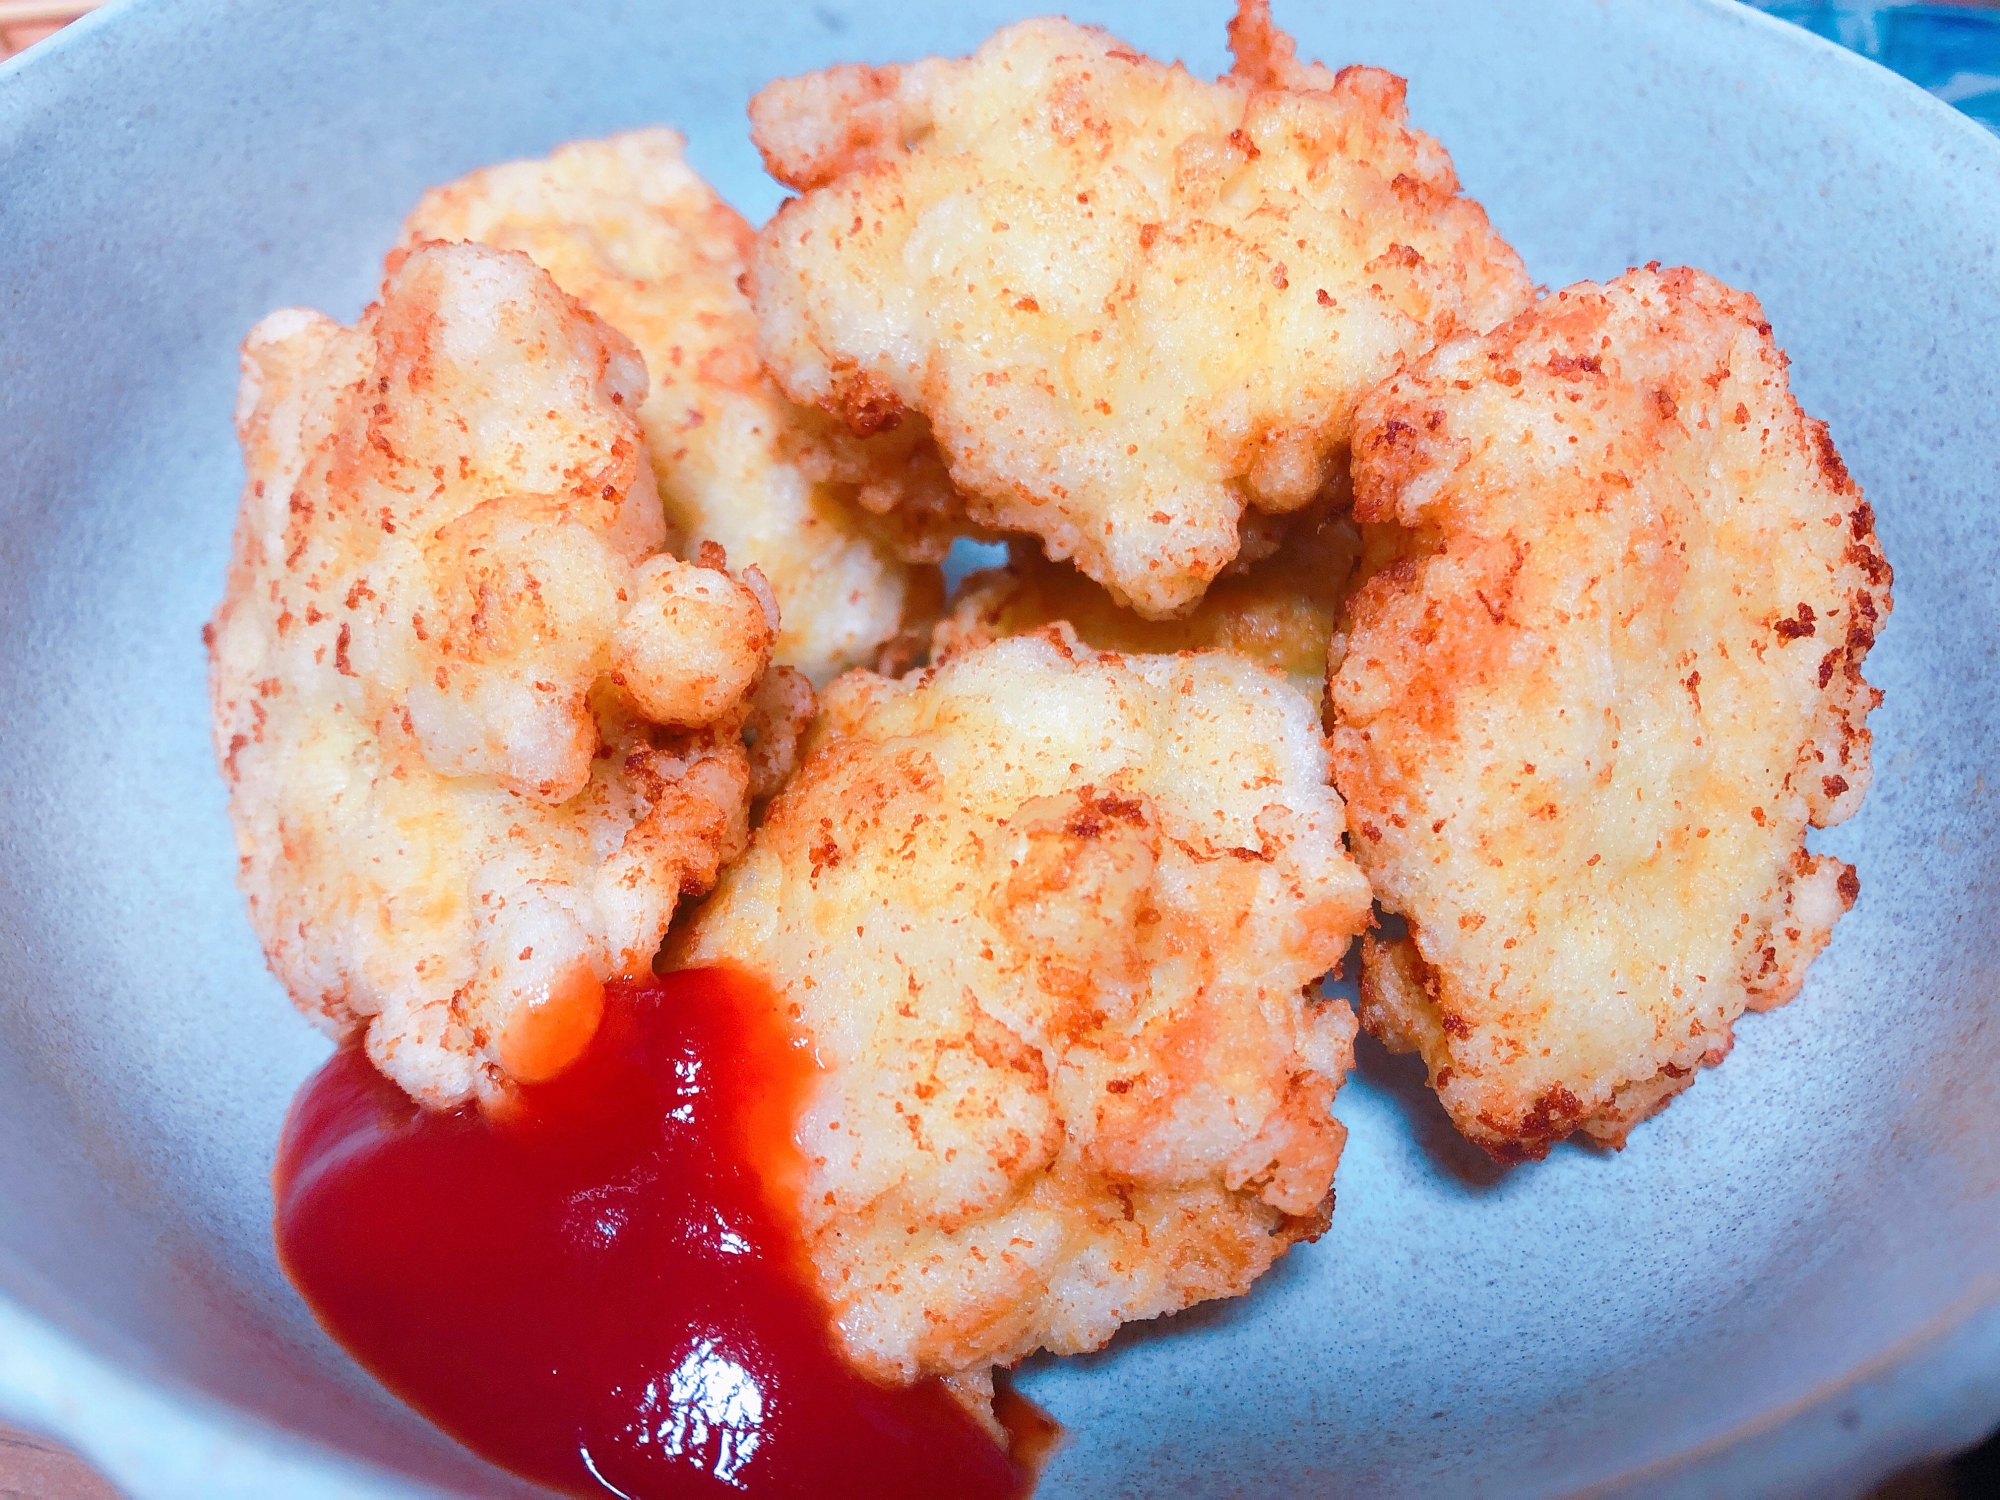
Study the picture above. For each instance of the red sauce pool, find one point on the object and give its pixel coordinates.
(595, 1291)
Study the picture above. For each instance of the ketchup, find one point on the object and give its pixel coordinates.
(599, 1288)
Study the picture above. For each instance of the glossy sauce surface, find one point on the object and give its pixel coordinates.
(595, 1289)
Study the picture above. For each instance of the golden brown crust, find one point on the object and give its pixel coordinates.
(813, 129)
(781, 710)
(844, 529)
(1266, 57)
(1049, 916)
(1129, 303)
(1278, 610)
(442, 667)
(1589, 705)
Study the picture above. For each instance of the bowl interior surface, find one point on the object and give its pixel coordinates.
(1818, 1208)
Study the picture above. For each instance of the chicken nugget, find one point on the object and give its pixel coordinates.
(1129, 303)
(1049, 917)
(1585, 720)
(480, 733)
(845, 529)
(1279, 611)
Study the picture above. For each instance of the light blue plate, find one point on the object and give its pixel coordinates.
(1785, 1285)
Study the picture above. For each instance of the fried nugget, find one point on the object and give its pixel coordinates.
(480, 733)
(1279, 611)
(1584, 724)
(845, 529)
(1130, 303)
(1049, 916)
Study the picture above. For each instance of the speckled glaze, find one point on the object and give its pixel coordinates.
(1787, 1284)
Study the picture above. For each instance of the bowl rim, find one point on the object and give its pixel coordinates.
(65, 1376)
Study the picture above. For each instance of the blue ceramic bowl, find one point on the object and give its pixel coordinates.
(1786, 1284)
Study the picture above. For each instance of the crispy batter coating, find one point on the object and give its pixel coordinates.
(441, 668)
(1279, 611)
(845, 529)
(1584, 725)
(1129, 302)
(1049, 916)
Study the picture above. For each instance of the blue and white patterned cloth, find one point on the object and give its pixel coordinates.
(1951, 50)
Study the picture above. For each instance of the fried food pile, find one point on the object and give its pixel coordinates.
(1584, 727)
(480, 731)
(1049, 917)
(844, 529)
(1282, 440)
(1129, 303)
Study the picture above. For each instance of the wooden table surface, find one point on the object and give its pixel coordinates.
(31, 1469)
(25, 22)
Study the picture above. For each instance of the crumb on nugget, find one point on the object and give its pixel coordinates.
(480, 732)
(1129, 303)
(1585, 716)
(1050, 918)
(845, 529)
